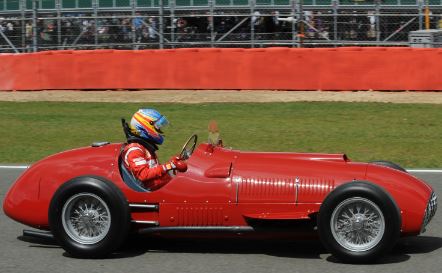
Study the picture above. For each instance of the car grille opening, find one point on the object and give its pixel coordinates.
(430, 211)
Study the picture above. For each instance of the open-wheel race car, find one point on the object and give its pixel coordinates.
(89, 202)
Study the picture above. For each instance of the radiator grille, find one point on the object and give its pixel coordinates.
(430, 211)
(199, 216)
(313, 190)
(267, 189)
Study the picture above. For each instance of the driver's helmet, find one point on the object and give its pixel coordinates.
(147, 124)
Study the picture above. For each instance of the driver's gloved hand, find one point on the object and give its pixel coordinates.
(180, 165)
(175, 163)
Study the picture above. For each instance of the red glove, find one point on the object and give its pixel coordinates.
(180, 165)
(175, 163)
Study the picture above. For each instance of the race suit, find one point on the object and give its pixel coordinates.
(144, 166)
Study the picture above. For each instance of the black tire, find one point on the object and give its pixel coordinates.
(359, 191)
(389, 164)
(93, 189)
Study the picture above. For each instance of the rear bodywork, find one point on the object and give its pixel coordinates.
(222, 188)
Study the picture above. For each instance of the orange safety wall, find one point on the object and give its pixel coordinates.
(350, 68)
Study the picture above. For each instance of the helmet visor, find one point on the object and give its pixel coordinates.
(161, 123)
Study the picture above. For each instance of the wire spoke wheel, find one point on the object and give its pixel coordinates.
(86, 218)
(89, 216)
(357, 224)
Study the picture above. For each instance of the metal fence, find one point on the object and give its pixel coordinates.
(166, 25)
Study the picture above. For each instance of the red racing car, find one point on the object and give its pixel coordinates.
(89, 202)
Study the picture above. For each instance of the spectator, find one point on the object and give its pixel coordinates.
(117, 29)
(138, 24)
(152, 29)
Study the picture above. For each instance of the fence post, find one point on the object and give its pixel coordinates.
(301, 23)
(299, 20)
(23, 25)
(161, 24)
(58, 7)
(378, 18)
(335, 4)
(34, 25)
(212, 24)
(133, 27)
(293, 4)
(427, 14)
(173, 25)
(252, 23)
(95, 6)
(420, 7)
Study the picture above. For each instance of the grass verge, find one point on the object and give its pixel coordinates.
(409, 134)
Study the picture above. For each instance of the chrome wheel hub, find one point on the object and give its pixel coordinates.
(86, 218)
(357, 224)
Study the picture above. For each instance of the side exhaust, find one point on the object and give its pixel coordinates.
(46, 235)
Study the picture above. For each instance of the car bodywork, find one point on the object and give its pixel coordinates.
(222, 188)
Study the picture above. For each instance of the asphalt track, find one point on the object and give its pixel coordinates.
(17, 254)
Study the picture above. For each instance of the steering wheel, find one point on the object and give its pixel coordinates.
(188, 147)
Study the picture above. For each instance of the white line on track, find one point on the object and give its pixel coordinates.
(424, 171)
(14, 167)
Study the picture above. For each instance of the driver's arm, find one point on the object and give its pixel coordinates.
(138, 160)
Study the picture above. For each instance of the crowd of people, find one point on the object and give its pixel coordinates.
(116, 29)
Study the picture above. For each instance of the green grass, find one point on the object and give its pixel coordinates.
(409, 134)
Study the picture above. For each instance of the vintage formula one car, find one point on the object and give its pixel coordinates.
(89, 202)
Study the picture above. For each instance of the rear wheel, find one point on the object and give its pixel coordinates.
(358, 222)
(89, 216)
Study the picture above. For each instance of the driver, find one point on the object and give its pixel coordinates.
(139, 156)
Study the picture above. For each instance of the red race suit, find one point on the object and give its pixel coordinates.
(144, 166)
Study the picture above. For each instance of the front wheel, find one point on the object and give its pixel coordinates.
(358, 222)
(89, 216)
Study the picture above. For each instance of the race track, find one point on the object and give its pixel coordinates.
(17, 254)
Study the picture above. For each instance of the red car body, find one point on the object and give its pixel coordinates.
(222, 188)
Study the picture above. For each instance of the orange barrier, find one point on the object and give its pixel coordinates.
(350, 68)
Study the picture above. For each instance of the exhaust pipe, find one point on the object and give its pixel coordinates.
(46, 235)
